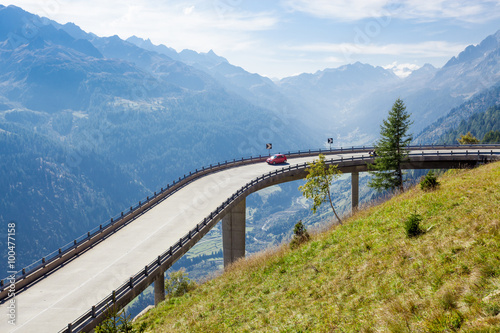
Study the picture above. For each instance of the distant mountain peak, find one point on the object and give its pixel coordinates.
(213, 55)
(48, 33)
(209, 59)
(472, 52)
(16, 8)
(147, 44)
(356, 65)
(496, 35)
(427, 66)
(75, 31)
(402, 70)
(137, 40)
(71, 25)
(427, 71)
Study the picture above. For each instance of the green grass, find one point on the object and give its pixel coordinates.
(367, 275)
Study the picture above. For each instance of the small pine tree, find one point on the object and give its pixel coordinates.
(300, 235)
(429, 182)
(412, 225)
(391, 150)
(468, 139)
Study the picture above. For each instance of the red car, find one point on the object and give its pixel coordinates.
(276, 159)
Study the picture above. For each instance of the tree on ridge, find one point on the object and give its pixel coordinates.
(391, 149)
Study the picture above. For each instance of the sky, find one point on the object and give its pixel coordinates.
(287, 37)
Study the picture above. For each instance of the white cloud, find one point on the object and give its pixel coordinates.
(188, 10)
(462, 10)
(197, 24)
(351, 10)
(339, 9)
(347, 50)
(402, 70)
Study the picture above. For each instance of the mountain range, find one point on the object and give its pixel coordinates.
(346, 102)
(89, 124)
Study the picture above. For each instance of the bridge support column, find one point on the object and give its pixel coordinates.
(159, 289)
(233, 234)
(354, 190)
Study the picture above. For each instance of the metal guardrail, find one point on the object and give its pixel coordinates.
(81, 243)
(128, 286)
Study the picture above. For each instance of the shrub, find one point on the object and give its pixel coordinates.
(178, 283)
(429, 182)
(468, 139)
(118, 322)
(491, 309)
(300, 235)
(412, 225)
(448, 300)
(446, 322)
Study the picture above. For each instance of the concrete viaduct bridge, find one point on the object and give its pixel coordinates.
(115, 262)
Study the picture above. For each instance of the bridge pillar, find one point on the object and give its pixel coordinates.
(159, 289)
(233, 234)
(354, 190)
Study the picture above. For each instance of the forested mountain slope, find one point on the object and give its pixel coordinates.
(441, 128)
(479, 124)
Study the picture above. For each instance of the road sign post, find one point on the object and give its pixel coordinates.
(269, 146)
(330, 141)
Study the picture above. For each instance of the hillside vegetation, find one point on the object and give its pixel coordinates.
(479, 124)
(443, 130)
(367, 275)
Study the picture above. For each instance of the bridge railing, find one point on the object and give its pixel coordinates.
(127, 287)
(67, 251)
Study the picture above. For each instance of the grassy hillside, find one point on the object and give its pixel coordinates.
(367, 276)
